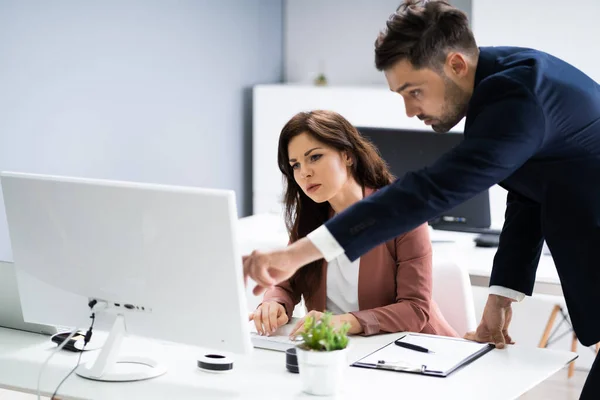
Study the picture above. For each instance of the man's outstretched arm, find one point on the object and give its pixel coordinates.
(503, 135)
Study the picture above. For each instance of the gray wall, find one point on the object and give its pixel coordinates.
(542, 25)
(143, 90)
(337, 37)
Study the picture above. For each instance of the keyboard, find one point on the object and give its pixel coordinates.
(278, 341)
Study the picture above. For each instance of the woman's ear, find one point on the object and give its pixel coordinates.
(347, 159)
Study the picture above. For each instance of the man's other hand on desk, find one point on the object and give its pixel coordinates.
(268, 316)
(494, 322)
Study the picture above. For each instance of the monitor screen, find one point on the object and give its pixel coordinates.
(407, 150)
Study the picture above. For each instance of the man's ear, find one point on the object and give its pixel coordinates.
(456, 65)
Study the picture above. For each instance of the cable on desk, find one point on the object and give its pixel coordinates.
(88, 336)
(59, 348)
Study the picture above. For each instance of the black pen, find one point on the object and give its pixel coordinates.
(412, 346)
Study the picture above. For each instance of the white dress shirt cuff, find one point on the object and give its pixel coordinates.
(326, 243)
(506, 292)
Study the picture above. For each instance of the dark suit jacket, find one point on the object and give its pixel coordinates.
(533, 126)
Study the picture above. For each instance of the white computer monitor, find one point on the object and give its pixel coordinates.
(163, 258)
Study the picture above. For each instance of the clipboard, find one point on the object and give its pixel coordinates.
(446, 355)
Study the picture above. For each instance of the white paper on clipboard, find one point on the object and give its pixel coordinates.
(447, 355)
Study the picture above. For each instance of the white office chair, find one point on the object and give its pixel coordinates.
(454, 296)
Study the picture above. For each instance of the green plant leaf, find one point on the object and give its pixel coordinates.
(322, 336)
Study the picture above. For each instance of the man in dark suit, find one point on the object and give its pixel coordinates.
(532, 126)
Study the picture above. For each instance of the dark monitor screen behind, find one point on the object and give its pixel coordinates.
(406, 150)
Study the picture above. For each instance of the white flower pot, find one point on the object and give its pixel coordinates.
(321, 372)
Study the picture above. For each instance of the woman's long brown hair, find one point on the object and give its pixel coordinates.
(303, 215)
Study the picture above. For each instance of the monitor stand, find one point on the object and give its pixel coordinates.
(112, 368)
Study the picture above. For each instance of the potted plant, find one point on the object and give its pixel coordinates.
(322, 357)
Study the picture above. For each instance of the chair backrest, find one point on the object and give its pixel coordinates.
(453, 294)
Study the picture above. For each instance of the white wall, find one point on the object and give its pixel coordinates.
(337, 37)
(568, 32)
(143, 90)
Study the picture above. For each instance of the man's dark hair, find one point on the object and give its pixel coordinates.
(422, 32)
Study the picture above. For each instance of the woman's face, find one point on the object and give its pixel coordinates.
(321, 171)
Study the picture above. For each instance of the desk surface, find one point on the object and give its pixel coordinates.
(500, 374)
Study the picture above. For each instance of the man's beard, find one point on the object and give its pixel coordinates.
(454, 109)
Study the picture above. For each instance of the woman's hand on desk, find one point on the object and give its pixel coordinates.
(493, 327)
(336, 320)
(269, 316)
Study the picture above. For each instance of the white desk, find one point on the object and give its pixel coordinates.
(498, 375)
(267, 231)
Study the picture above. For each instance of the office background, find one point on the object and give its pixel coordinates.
(160, 91)
(150, 91)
